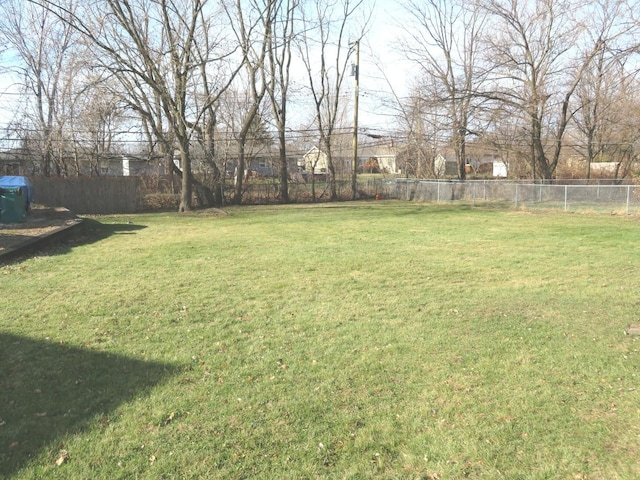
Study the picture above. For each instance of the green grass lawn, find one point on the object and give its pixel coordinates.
(364, 340)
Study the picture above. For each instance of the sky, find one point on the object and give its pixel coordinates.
(8, 98)
(384, 72)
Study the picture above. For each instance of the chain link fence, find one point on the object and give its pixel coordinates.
(597, 196)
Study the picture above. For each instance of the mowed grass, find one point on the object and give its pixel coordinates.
(364, 340)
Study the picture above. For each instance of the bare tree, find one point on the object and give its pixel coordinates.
(600, 115)
(279, 67)
(252, 27)
(591, 96)
(538, 53)
(95, 119)
(610, 121)
(208, 103)
(422, 121)
(151, 47)
(240, 139)
(507, 138)
(325, 55)
(44, 45)
(443, 39)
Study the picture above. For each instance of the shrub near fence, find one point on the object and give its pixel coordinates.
(260, 193)
(89, 195)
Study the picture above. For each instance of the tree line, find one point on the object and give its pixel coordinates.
(526, 78)
(529, 78)
(179, 71)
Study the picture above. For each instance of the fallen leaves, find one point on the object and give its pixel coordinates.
(169, 418)
(63, 457)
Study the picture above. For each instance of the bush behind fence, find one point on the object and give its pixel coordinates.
(111, 195)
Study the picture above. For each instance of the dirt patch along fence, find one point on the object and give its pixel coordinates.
(89, 195)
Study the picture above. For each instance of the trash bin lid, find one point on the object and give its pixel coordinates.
(12, 181)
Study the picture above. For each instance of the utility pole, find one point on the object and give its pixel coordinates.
(354, 164)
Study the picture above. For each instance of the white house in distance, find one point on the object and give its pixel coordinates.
(484, 165)
(314, 160)
(439, 165)
(499, 169)
(385, 155)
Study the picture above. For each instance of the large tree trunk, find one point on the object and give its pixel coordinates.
(239, 176)
(185, 196)
(283, 170)
(332, 178)
(206, 197)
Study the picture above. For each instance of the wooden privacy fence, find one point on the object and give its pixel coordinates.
(89, 195)
(110, 195)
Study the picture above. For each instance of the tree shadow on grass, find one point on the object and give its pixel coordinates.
(92, 231)
(49, 390)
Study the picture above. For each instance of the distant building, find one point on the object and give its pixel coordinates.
(128, 165)
(499, 169)
(384, 155)
(605, 168)
(314, 161)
